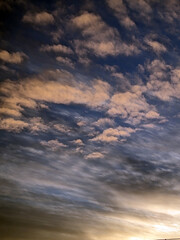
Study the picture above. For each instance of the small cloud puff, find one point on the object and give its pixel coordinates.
(56, 48)
(78, 142)
(156, 46)
(94, 155)
(16, 57)
(53, 144)
(42, 18)
(103, 122)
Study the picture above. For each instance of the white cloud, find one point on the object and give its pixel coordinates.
(16, 57)
(42, 18)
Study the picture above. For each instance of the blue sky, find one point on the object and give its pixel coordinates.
(89, 119)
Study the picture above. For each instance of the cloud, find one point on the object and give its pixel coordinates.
(106, 42)
(149, 125)
(53, 144)
(62, 128)
(132, 105)
(78, 142)
(30, 91)
(94, 155)
(17, 57)
(12, 125)
(169, 11)
(164, 81)
(103, 122)
(156, 46)
(36, 124)
(120, 11)
(41, 18)
(142, 7)
(9, 111)
(152, 115)
(59, 48)
(66, 61)
(113, 134)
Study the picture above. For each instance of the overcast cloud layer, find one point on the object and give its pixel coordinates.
(89, 120)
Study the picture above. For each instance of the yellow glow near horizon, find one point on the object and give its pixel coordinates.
(166, 229)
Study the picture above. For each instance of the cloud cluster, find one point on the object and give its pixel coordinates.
(28, 92)
(131, 105)
(16, 57)
(106, 42)
(113, 134)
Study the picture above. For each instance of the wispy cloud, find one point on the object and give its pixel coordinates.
(120, 11)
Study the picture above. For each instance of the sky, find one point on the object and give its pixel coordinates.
(89, 119)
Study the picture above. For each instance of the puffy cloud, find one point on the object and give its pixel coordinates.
(156, 46)
(16, 57)
(120, 11)
(42, 18)
(152, 114)
(53, 144)
(56, 48)
(61, 127)
(104, 122)
(65, 61)
(106, 42)
(10, 124)
(94, 155)
(78, 142)
(36, 124)
(130, 104)
(113, 134)
(164, 81)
